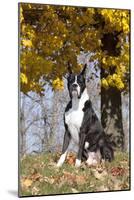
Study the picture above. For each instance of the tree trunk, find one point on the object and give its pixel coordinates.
(111, 115)
(111, 104)
(22, 135)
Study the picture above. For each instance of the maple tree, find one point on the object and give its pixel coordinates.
(53, 36)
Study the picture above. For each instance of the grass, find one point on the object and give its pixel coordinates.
(40, 176)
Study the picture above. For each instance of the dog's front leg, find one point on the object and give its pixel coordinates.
(66, 142)
(80, 150)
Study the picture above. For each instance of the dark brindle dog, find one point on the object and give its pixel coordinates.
(83, 126)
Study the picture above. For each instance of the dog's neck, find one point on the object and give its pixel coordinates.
(76, 102)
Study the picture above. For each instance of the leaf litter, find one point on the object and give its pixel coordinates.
(103, 177)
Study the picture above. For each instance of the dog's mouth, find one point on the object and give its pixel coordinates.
(74, 93)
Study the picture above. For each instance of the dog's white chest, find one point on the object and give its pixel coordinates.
(74, 116)
(73, 119)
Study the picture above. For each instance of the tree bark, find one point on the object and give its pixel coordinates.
(111, 103)
(111, 115)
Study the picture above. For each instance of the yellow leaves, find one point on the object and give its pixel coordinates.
(63, 7)
(113, 81)
(58, 35)
(33, 67)
(125, 25)
(116, 19)
(64, 35)
(104, 60)
(27, 31)
(21, 14)
(58, 84)
(108, 14)
(23, 78)
(104, 83)
(110, 80)
(27, 43)
(118, 82)
(120, 85)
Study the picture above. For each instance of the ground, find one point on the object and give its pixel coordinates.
(40, 176)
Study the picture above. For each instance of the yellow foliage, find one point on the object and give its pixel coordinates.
(23, 78)
(58, 84)
(104, 83)
(21, 14)
(113, 81)
(56, 34)
(27, 43)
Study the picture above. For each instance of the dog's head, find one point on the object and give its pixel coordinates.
(76, 83)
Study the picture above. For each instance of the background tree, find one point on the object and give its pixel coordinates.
(51, 37)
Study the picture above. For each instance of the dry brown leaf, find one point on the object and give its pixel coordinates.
(71, 158)
(50, 180)
(26, 182)
(71, 178)
(52, 164)
(118, 171)
(80, 180)
(71, 161)
(35, 190)
(36, 177)
(74, 179)
(67, 178)
(74, 190)
(102, 188)
(98, 175)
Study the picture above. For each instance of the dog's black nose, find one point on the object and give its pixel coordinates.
(75, 85)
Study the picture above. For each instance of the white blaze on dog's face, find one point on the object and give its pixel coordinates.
(76, 84)
(75, 89)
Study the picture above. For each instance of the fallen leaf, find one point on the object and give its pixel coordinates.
(50, 180)
(71, 158)
(117, 185)
(74, 190)
(26, 182)
(36, 177)
(69, 177)
(35, 190)
(52, 164)
(80, 180)
(99, 175)
(102, 188)
(74, 179)
(118, 171)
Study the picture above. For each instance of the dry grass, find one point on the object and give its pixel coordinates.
(39, 175)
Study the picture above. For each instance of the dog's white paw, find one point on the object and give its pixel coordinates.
(77, 163)
(62, 159)
(59, 164)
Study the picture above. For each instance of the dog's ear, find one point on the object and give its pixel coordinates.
(83, 72)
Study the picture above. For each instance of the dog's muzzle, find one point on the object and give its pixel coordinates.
(74, 86)
(75, 91)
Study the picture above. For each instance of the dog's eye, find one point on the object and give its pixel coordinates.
(71, 78)
(80, 79)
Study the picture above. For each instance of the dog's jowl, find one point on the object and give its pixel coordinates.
(82, 125)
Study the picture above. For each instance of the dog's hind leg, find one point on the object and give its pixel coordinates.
(67, 138)
(106, 149)
(94, 158)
